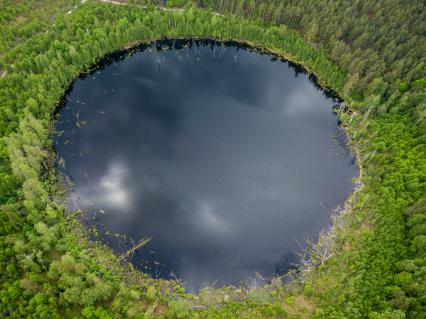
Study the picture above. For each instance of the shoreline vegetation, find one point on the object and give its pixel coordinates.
(315, 249)
(368, 266)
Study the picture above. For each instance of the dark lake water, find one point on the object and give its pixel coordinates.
(229, 160)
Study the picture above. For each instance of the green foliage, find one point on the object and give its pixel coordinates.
(409, 292)
(179, 309)
(378, 265)
(177, 3)
(372, 39)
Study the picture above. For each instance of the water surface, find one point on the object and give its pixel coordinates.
(228, 159)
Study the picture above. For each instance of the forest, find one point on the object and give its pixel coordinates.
(371, 53)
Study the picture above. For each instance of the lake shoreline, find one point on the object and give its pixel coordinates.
(131, 49)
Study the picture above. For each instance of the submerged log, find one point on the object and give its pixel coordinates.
(142, 243)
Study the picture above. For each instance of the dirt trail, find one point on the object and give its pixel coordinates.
(123, 3)
(144, 7)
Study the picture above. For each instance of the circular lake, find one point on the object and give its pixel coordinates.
(224, 160)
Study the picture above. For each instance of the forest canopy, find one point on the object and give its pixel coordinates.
(370, 53)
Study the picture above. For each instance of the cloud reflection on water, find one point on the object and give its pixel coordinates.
(225, 165)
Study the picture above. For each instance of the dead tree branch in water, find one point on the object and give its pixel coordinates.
(131, 251)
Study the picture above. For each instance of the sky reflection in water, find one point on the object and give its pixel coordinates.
(224, 157)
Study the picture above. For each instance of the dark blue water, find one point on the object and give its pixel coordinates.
(227, 159)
